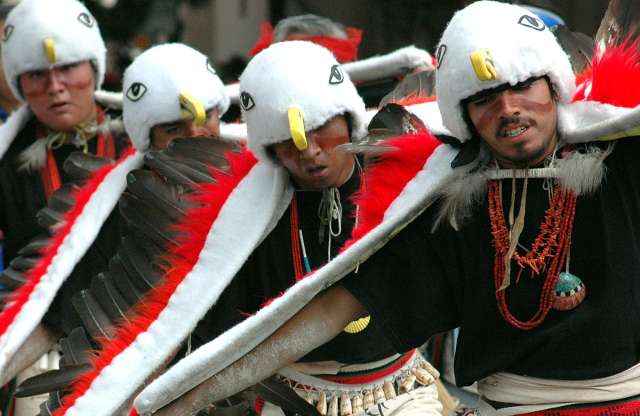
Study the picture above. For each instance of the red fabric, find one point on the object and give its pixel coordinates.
(345, 50)
(258, 405)
(414, 99)
(621, 409)
(209, 199)
(375, 375)
(385, 179)
(81, 197)
(614, 77)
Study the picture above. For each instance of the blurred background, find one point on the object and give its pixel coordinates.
(226, 30)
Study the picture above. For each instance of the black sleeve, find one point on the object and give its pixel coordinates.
(405, 288)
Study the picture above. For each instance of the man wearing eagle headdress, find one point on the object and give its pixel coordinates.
(521, 228)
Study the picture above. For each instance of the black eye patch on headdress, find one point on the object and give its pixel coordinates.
(86, 19)
(136, 91)
(336, 77)
(246, 100)
(8, 31)
(440, 53)
(531, 22)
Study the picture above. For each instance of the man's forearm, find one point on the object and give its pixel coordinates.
(317, 323)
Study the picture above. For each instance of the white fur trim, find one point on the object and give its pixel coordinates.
(14, 124)
(109, 99)
(32, 21)
(82, 234)
(394, 63)
(586, 121)
(519, 52)
(251, 211)
(233, 131)
(153, 83)
(216, 355)
(295, 73)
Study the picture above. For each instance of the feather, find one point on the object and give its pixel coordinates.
(35, 247)
(50, 381)
(391, 121)
(47, 407)
(75, 348)
(49, 218)
(121, 280)
(109, 298)
(411, 89)
(577, 45)
(81, 165)
(94, 319)
(175, 172)
(23, 263)
(210, 151)
(148, 186)
(275, 391)
(11, 279)
(33, 157)
(148, 219)
(138, 265)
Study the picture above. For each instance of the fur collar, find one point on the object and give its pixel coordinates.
(581, 171)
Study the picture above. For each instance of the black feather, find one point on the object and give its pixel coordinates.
(109, 297)
(51, 380)
(121, 280)
(94, 319)
(35, 246)
(81, 165)
(209, 150)
(148, 186)
(75, 348)
(12, 279)
(280, 394)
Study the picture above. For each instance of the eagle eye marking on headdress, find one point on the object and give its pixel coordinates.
(210, 67)
(86, 19)
(296, 127)
(336, 77)
(136, 91)
(442, 50)
(50, 50)
(482, 63)
(246, 100)
(192, 109)
(8, 30)
(531, 22)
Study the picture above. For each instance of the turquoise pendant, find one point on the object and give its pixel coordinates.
(570, 292)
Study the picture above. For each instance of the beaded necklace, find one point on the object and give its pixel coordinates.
(548, 252)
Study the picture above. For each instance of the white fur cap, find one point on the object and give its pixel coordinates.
(68, 23)
(520, 45)
(295, 73)
(152, 85)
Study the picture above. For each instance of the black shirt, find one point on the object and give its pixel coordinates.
(424, 282)
(269, 271)
(22, 195)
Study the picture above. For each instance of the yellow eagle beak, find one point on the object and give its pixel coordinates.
(482, 63)
(296, 127)
(49, 50)
(192, 109)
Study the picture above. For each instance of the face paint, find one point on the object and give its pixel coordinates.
(517, 123)
(61, 97)
(319, 165)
